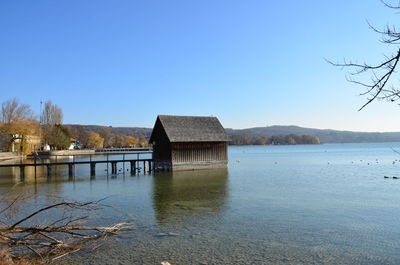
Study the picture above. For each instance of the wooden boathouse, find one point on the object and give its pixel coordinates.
(188, 143)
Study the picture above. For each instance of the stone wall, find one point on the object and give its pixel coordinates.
(9, 156)
(67, 152)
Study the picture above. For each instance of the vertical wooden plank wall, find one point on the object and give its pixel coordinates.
(195, 152)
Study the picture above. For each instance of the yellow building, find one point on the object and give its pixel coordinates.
(24, 144)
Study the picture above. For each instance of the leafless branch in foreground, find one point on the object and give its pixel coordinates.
(383, 83)
(63, 236)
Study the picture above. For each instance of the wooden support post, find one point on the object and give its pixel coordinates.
(35, 165)
(113, 167)
(133, 167)
(107, 164)
(150, 166)
(123, 162)
(92, 169)
(22, 172)
(48, 170)
(144, 167)
(71, 170)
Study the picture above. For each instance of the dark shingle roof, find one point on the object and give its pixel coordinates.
(193, 128)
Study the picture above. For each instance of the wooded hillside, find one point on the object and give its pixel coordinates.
(259, 135)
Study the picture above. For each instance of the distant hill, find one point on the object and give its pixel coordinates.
(126, 131)
(325, 136)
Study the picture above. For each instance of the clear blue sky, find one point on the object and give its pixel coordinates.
(250, 63)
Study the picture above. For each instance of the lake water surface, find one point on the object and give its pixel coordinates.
(311, 204)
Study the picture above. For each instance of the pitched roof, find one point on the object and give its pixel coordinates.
(193, 129)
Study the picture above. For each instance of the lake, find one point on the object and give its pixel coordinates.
(305, 204)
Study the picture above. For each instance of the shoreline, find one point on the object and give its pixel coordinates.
(6, 156)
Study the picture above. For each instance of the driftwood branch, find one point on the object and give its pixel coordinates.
(61, 237)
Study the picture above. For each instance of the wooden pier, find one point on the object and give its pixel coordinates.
(135, 163)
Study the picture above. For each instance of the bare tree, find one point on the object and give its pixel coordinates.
(52, 114)
(383, 78)
(12, 111)
(18, 126)
(54, 133)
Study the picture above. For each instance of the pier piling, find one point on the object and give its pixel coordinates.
(49, 170)
(22, 171)
(133, 167)
(92, 169)
(113, 167)
(71, 170)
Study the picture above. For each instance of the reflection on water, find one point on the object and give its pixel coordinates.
(189, 193)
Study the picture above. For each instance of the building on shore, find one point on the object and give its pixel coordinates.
(19, 143)
(188, 143)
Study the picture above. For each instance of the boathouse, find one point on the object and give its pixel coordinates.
(188, 143)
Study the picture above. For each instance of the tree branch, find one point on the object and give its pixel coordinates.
(61, 237)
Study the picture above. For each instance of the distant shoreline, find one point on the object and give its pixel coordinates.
(324, 135)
